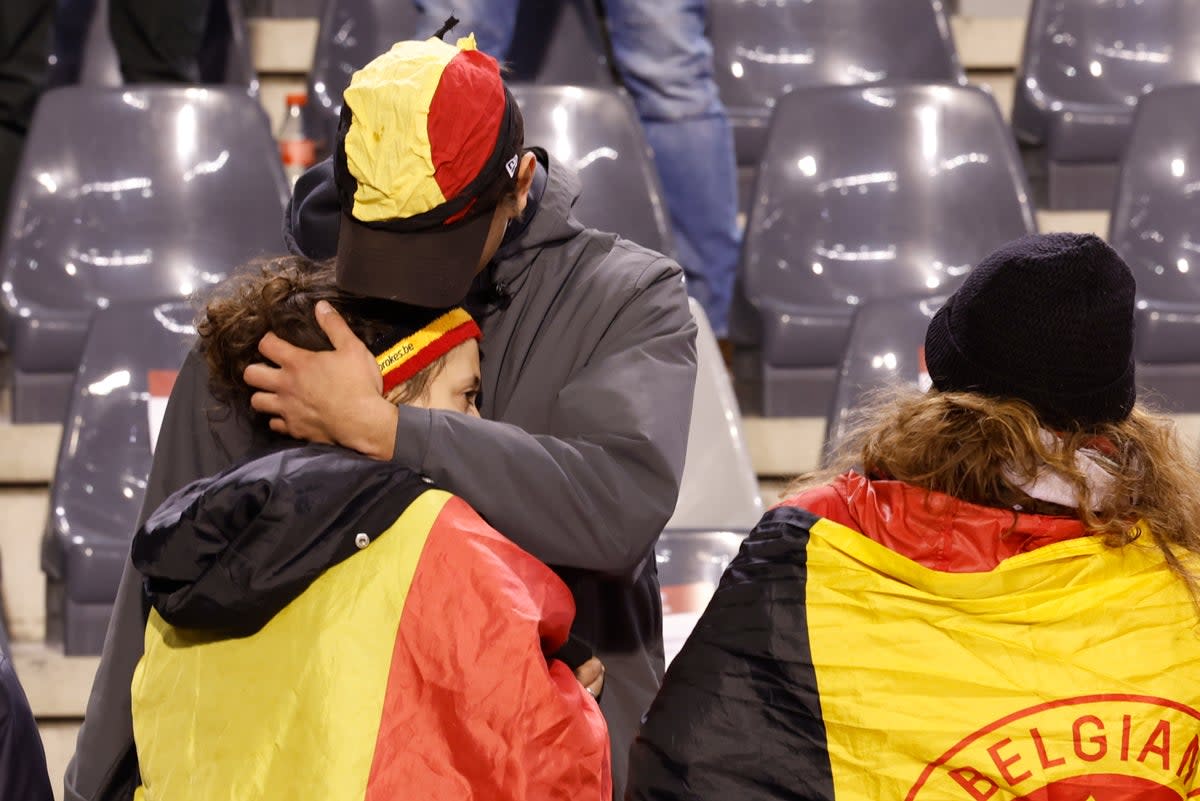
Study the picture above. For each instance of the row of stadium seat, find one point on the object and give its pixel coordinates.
(890, 191)
(1085, 64)
(868, 195)
(900, 188)
(185, 185)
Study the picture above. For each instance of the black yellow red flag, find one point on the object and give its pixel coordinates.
(830, 667)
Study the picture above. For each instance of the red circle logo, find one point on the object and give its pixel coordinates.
(1088, 748)
(1103, 787)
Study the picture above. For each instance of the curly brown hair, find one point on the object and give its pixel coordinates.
(979, 449)
(280, 297)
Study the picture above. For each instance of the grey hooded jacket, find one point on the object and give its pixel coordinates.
(588, 372)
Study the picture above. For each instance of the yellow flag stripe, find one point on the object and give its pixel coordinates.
(1015, 668)
(294, 710)
(391, 110)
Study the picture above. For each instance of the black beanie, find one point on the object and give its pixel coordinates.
(1047, 319)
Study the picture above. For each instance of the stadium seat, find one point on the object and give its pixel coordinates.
(868, 192)
(718, 498)
(719, 488)
(122, 195)
(1155, 226)
(690, 564)
(555, 43)
(133, 352)
(886, 346)
(762, 50)
(597, 133)
(224, 58)
(1085, 65)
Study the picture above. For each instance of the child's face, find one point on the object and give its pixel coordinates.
(456, 385)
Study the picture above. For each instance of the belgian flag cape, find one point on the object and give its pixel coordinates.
(328, 627)
(830, 667)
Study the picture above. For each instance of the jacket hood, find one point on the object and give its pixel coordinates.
(931, 528)
(313, 214)
(229, 552)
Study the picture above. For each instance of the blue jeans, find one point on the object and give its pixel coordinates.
(666, 63)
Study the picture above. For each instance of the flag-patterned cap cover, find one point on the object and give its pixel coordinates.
(425, 129)
(428, 335)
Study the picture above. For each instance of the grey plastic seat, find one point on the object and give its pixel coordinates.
(690, 565)
(718, 498)
(1085, 64)
(133, 351)
(597, 133)
(147, 192)
(1154, 226)
(868, 192)
(886, 347)
(555, 42)
(719, 489)
(224, 56)
(762, 50)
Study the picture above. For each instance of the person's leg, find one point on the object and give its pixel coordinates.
(25, 30)
(158, 41)
(492, 21)
(70, 30)
(666, 63)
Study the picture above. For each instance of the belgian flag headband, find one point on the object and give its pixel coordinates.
(402, 352)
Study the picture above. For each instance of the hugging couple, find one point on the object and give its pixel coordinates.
(372, 563)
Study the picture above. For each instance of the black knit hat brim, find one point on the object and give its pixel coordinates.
(952, 370)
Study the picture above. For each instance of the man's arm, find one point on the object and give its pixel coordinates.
(596, 492)
(593, 493)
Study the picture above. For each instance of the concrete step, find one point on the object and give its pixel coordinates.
(282, 46)
(989, 43)
(58, 736)
(57, 685)
(785, 447)
(58, 688)
(28, 452)
(23, 513)
(1080, 222)
(995, 8)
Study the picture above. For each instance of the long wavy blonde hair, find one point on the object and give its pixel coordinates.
(981, 450)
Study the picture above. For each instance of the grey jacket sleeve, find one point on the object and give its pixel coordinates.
(595, 491)
(191, 444)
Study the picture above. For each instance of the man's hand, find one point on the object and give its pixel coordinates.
(325, 396)
(591, 675)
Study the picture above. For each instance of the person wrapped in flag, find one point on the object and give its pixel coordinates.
(324, 625)
(991, 595)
